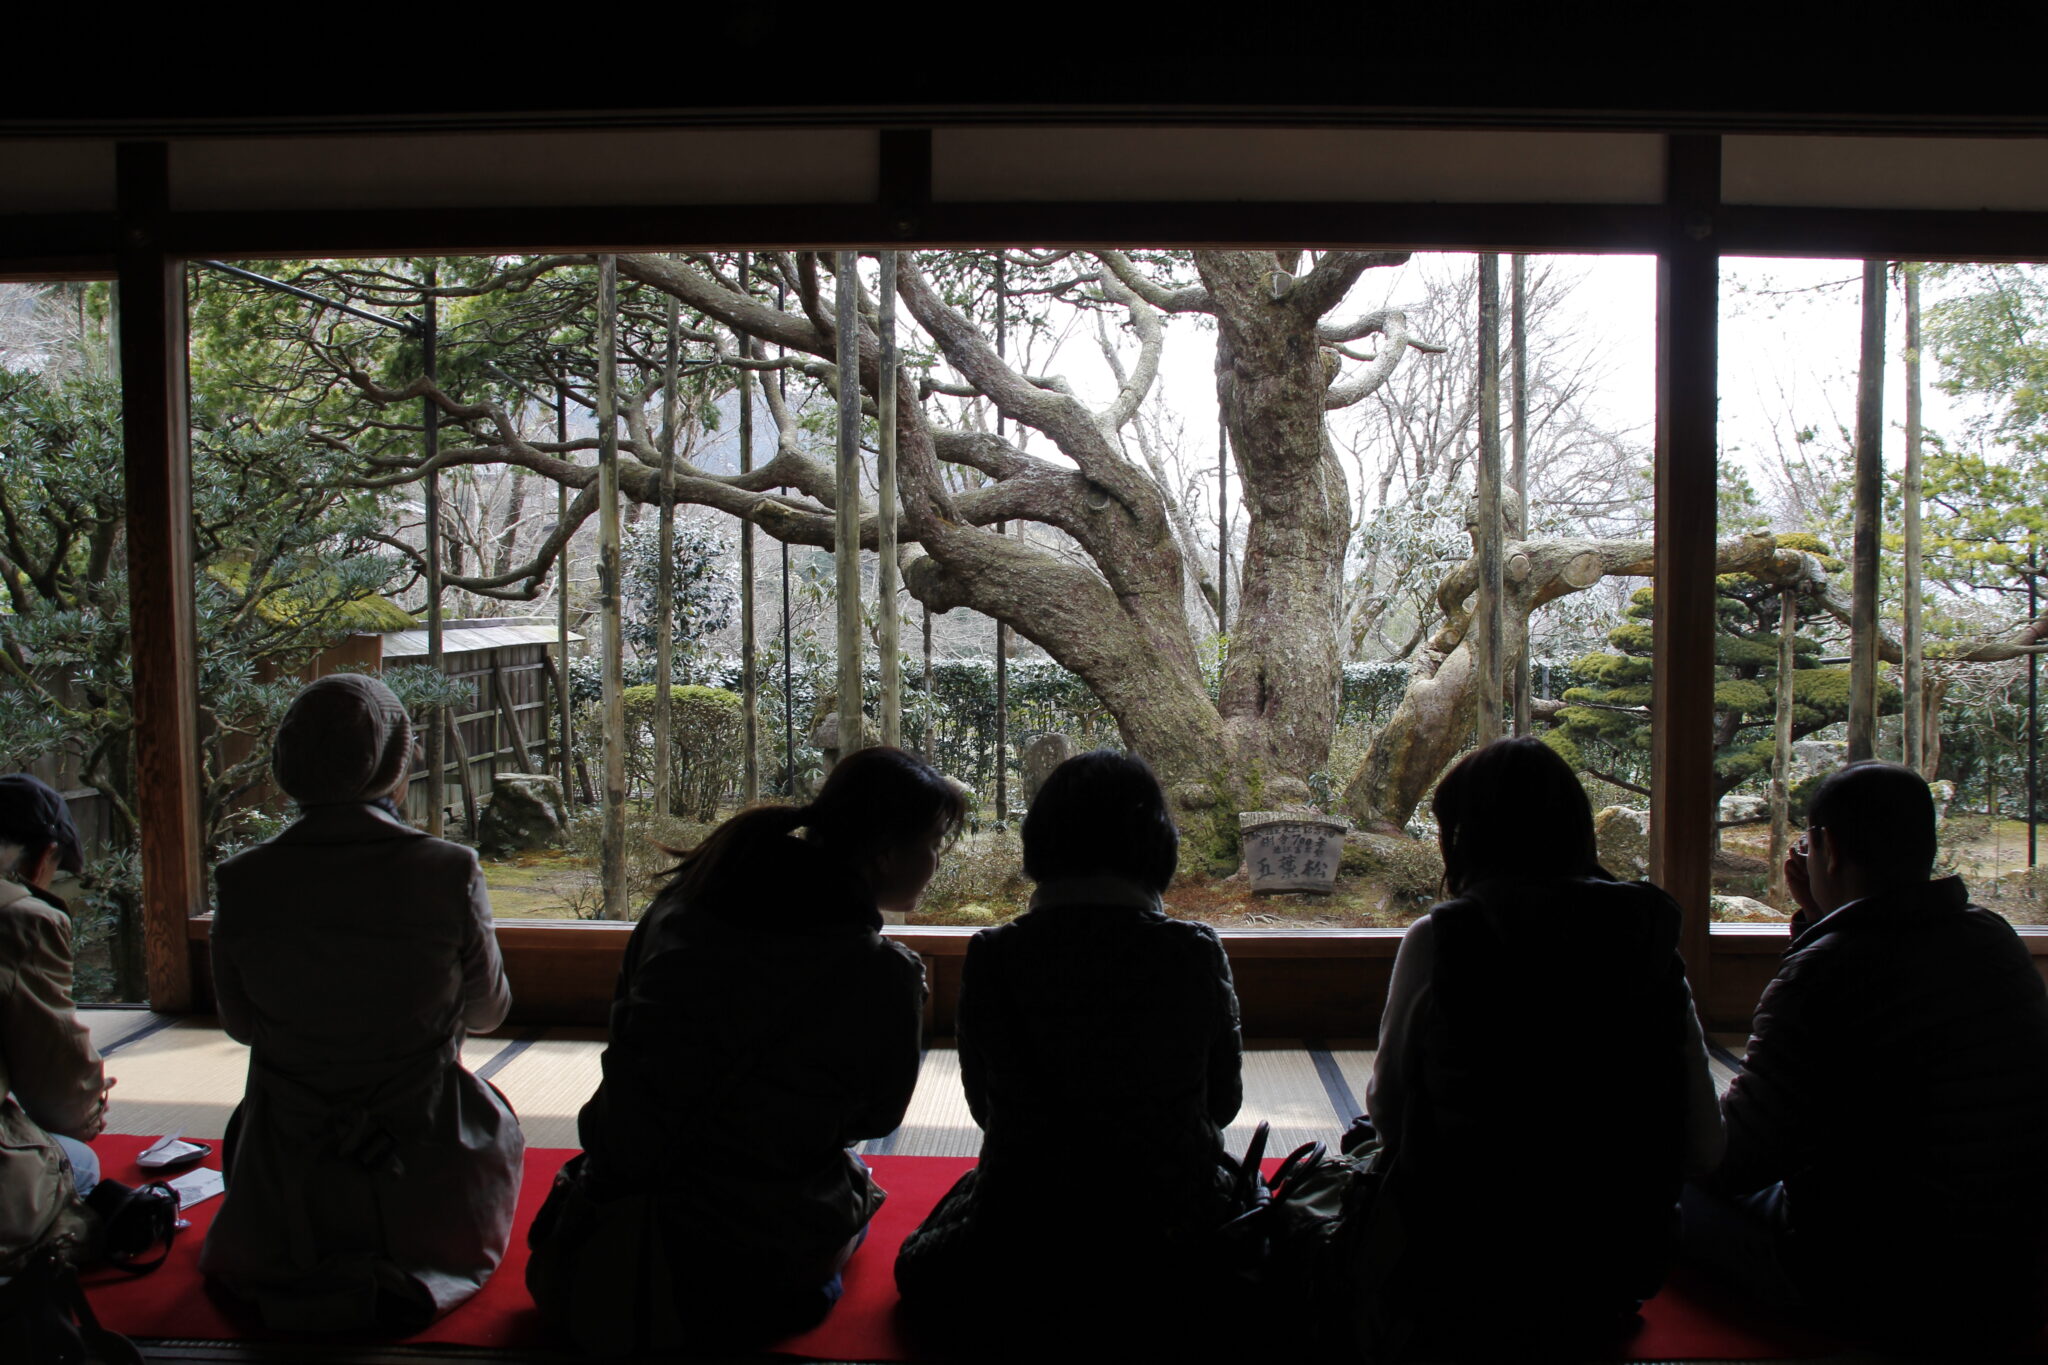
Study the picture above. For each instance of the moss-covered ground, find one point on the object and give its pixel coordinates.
(980, 882)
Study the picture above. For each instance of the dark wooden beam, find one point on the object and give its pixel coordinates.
(1682, 689)
(626, 228)
(158, 471)
(81, 246)
(905, 175)
(57, 246)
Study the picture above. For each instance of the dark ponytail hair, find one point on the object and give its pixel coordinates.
(873, 801)
(1513, 809)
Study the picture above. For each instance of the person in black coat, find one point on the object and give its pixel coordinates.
(1537, 1186)
(1887, 1162)
(762, 1025)
(1094, 1024)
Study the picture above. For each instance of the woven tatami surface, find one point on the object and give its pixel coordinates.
(185, 1074)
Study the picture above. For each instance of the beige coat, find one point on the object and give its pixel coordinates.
(51, 1080)
(371, 1179)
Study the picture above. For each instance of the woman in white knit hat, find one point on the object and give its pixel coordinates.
(371, 1179)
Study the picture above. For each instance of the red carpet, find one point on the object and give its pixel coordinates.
(1684, 1322)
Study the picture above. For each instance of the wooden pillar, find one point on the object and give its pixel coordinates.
(612, 847)
(1914, 731)
(885, 514)
(1781, 747)
(665, 571)
(157, 455)
(437, 658)
(750, 681)
(565, 717)
(846, 535)
(1222, 529)
(1002, 528)
(1518, 459)
(1682, 686)
(1868, 494)
(1487, 617)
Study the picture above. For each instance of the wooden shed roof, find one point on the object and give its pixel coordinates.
(472, 637)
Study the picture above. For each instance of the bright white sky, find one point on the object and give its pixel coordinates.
(1789, 339)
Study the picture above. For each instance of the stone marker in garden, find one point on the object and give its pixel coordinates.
(1291, 850)
(1041, 756)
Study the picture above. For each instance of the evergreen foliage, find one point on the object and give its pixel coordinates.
(1608, 723)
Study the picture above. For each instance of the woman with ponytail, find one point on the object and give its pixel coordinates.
(762, 1026)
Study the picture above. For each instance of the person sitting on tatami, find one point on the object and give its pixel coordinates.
(1885, 1138)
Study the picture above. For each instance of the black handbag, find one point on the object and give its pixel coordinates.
(131, 1223)
(45, 1319)
(1323, 1237)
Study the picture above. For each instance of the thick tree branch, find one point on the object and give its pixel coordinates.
(1368, 380)
(1192, 299)
(1324, 287)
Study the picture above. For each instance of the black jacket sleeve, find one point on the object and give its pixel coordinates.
(1776, 1108)
(1226, 1048)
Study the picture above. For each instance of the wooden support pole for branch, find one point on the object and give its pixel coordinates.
(665, 572)
(1912, 645)
(885, 520)
(1487, 618)
(1682, 809)
(565, 718)
(1781, 746)
(846, 536)
(157, 465)
(1868, 492)
(750, 680)
(437, 659)
(613, 843)
(1518, 457)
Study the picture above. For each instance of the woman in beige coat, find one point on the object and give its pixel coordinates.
(371, 1179)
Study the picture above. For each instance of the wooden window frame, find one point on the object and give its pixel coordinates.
(145, 245)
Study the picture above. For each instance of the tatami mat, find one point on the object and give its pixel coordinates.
(1283, 1088)
(183, 1078)
(186, 1075)
(937, 1123)
(547, 1075)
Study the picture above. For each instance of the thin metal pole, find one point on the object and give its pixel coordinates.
(1518, 461)
(566, 718)
(846, 533)
(885, 510)
(1868, 494)
(613, 846)
(750, 681)
(2033, 698)
(1914, 726)
(930, 746)
(1487, 618)
(1002, 528)
(430, 419)
(665, 574)
(395, 324)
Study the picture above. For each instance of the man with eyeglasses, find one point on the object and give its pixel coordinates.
(1887, 1161)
